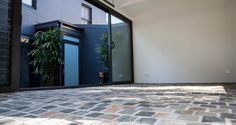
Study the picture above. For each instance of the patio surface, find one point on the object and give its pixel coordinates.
(121, 105)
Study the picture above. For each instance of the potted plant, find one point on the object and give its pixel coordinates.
(46, 55)
(102, 51)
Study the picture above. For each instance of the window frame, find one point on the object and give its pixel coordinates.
(90, 20)
(34, 4)
(111, 4)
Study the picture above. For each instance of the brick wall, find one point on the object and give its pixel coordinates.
(4, 42)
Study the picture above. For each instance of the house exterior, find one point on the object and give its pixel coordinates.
(38, 13)
(181, 41)
(72, 11)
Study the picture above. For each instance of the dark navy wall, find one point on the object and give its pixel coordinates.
(25, 67)
(89, 63)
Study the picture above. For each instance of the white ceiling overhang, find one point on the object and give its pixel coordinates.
(134, 7)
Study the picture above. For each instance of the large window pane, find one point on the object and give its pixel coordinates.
(121, 51)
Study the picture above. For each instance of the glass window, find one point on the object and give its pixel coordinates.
(31, 3)
(72, 39)
(86, 14)
(121, 50)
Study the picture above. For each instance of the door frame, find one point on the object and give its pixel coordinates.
(113, 12)
(15, 49)
(63, 68)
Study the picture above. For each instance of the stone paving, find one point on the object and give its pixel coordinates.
(135, 104)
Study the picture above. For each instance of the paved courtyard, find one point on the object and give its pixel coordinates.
(134, 104)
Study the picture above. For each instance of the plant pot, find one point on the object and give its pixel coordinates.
(102, 75)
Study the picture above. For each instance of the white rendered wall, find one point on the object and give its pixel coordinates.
(186, 41)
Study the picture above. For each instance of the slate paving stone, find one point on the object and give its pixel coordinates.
(49, 107)
(80, 113)
(86, 107)
(9, 106)
(210, 106)
(212, 119)
(159, 105)
(20, 108)
(233, 121)
(130, 104)
(188, 118)
(98, 109)
(228, 107)
(232, 104)
(218, 103)
(114, 104)
(3, 110)
(212, 114)
(197, 109)
(108, 101)
(184, 112)
(38, 111)
(146, 109)
(18, 115)
(66, 104)
(183, 101)
(109, 116)
(94, 115)
(143, 113)
(178, 107)
(126, 118)
(144, 105)
(149, 121)
(144, 102)
(204, 103)
(19, 102)
(219, 110)
(197, 124)
(112, 109)
(234, 110)
(128, 111)
(103, 105)
(68, 110)
(8, 113)
(91, 103)
(229, 116)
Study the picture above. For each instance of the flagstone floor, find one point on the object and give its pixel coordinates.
(133, 104)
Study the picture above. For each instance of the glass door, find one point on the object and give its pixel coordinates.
(121, 51)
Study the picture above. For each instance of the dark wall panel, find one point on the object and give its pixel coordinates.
(89, 63)
(5, 42)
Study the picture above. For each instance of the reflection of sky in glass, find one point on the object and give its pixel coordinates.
(114, 20)
(28, 2)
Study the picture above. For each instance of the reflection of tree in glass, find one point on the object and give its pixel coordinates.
(118, 38)
(102, 51)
